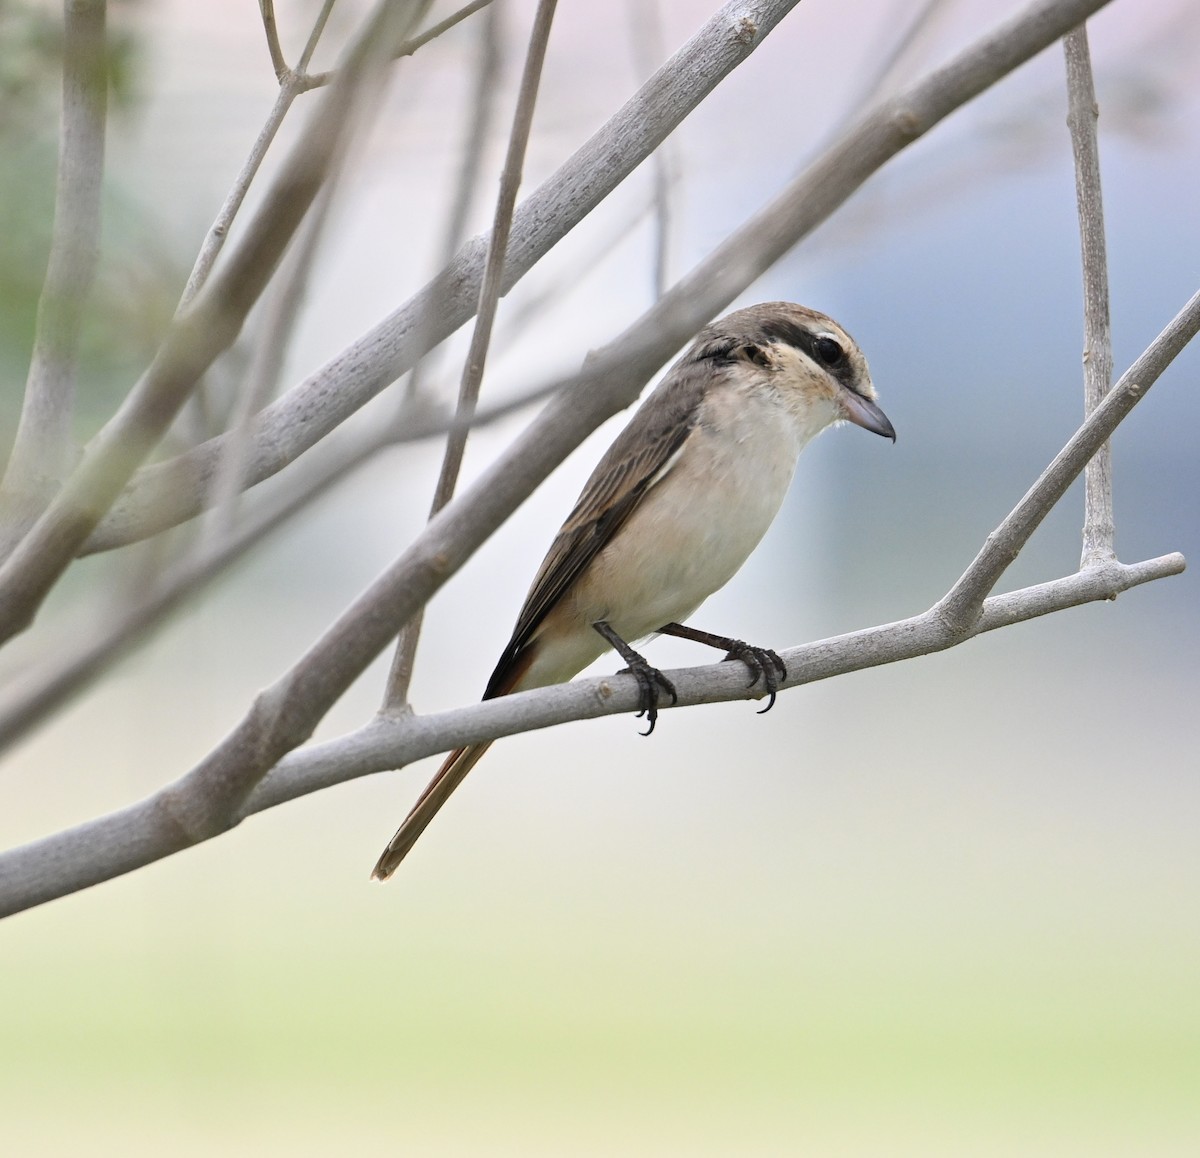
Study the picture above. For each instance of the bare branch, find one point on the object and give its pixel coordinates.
(314, 37)
(386, 743)
(1098, 533)
(408, 47)
(196, 337)
(42, 453)
(168, 493)
(289, 88)
(961, 607)
(645, 34)
(267, 8)
(489, 296)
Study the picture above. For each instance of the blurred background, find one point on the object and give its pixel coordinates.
(941, 908)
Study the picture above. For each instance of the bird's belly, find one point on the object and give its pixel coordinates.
(691, 533)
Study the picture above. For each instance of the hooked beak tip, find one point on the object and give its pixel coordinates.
(863, 412)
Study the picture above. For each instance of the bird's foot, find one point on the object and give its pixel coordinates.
(763, 663)
(651, 684)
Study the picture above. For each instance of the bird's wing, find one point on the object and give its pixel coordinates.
(638, 460)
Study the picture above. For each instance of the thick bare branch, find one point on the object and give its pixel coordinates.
(196, 337)
(42, 453)
(386, 743)
(1083, 112)
(169, 493)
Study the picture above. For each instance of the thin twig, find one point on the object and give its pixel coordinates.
(874, 84)
(646, 39)
(1083, 112)
(480, 118)
(267, 8)
(170, 492)
(408, 47)
(489, 297)
(43, 450)
(310, 45)
(214, 239)
(289, 89)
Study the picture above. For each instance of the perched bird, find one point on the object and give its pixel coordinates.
(672, 511)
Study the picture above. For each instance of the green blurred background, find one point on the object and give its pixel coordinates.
(945, 908)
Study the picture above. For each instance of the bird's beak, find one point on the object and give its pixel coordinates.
(864, 413)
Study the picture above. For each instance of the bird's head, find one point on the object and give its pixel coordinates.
(815, 365)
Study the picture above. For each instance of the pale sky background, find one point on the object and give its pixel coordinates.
(948, 907)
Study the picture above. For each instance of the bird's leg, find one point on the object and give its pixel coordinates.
(650, 680)
(763, 663)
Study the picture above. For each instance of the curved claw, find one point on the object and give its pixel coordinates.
(764, 664)
(650, 682)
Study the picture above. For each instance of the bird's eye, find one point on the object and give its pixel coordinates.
(829, 351)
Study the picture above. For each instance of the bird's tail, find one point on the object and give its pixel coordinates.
(449, 776)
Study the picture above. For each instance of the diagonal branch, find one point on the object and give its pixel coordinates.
(962, 605)
(168, 493)
(42, 452)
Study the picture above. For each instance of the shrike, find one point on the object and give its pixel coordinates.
(673, 510)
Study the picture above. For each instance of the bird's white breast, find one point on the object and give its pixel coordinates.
(698, 525)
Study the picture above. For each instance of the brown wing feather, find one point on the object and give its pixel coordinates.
(620, 481)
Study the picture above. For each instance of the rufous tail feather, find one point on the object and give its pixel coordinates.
(449, 776)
